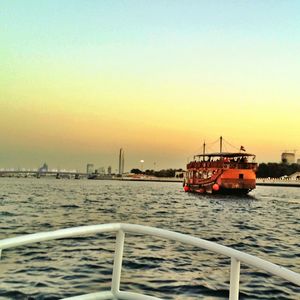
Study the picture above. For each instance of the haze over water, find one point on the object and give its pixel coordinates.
(265, 224)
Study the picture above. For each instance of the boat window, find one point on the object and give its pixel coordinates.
(241, 176)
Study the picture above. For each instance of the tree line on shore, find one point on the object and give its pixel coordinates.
(264, 170)
(161, 173)
(276, 170)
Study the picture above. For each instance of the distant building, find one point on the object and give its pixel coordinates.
(100, 170)
(121, 161)
(298, 161)
(90, 168)
(109, 170)
(288, 158)
(43, 168)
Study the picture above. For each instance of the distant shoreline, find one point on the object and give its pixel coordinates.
(259, 181)
(159, 179)
(277, 182)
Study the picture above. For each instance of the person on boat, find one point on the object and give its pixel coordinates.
(243, 159)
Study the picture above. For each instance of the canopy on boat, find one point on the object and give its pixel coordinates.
(225, 154)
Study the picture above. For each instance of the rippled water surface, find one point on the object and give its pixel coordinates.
(265, 224)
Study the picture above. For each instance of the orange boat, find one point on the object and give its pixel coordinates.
(222, 172)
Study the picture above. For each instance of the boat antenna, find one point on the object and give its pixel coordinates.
(221, 140)
(204, 148)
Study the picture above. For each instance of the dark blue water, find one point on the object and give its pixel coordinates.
(266, 224)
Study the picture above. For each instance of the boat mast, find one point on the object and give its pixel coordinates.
(203, 148)
(221, 140)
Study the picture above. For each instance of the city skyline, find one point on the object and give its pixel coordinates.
(80, 80)
(119, 166)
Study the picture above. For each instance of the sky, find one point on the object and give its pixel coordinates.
(81, 79)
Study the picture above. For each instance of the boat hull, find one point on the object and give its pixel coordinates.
(221, 191)
(229, 181)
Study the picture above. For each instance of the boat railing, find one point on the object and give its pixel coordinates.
(221, 164)
(120, 229)
(208, 180)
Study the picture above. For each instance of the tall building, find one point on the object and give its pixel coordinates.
(288, 157)
(90, 168)
(121, 162)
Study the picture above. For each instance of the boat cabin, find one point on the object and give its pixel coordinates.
(224, 160)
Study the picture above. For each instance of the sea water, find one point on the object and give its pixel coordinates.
(265, 224)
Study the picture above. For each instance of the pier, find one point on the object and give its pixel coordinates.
(277, 182)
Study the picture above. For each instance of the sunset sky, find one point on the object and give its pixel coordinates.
(81, 79)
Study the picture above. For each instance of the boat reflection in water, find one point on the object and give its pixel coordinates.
(221, 172)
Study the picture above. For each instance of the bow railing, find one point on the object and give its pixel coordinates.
(121, 229)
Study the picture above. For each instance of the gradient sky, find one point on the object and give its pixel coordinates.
(81, 79)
